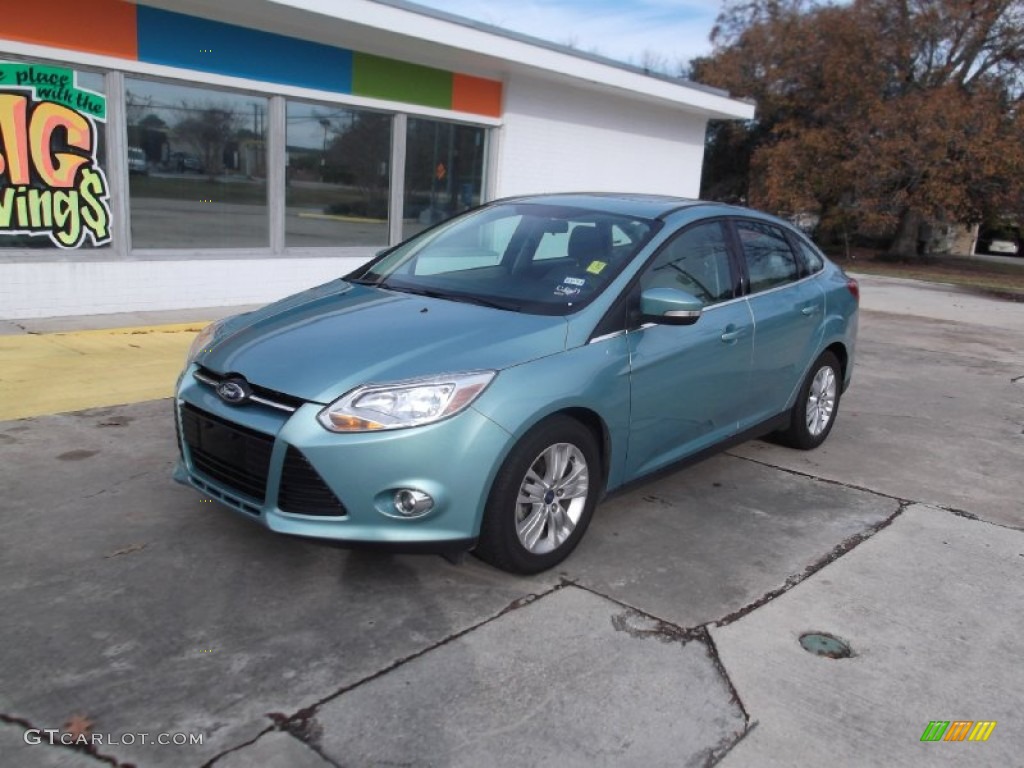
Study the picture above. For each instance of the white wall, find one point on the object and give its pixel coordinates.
(563, 139)
(60, 288)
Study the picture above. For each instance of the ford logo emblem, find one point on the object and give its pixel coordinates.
(233, 391)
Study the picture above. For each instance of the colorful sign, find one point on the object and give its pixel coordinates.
(51, 183)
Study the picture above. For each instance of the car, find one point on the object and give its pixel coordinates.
(481, 386)
(137, 163)
(1002, 247)
(183, 162)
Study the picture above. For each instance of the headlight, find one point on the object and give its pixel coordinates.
(404, 403)
(202, 341)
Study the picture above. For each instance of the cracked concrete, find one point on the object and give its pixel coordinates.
(932, 610)
(668, 638)
(555, 678)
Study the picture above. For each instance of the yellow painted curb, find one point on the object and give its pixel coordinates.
(59, 372)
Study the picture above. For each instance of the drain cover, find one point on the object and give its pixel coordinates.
(824, 644)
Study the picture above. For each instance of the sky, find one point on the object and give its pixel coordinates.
(673, 31)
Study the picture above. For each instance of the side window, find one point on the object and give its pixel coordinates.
(810, 259)
(696, 261)
(770, 260)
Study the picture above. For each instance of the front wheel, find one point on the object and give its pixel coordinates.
(817, 403)
(542, 499)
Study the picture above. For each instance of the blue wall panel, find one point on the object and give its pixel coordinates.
(210, 46)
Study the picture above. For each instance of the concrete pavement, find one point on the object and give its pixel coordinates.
(668, 638)
(932, 609)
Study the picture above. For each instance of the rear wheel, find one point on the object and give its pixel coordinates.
(817, 403)
(542, 499)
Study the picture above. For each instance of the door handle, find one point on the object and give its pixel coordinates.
(730, 336)
(811, 310)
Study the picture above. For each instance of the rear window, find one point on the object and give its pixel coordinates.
(770, 260)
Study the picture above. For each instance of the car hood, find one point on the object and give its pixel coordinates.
(321, 343)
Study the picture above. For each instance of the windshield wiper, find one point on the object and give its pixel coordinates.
(465, 298)
(469, 299)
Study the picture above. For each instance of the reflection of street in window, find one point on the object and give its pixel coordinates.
(197, 136)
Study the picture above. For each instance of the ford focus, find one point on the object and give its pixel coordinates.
(481, 386)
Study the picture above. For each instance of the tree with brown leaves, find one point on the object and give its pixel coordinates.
(880, 115)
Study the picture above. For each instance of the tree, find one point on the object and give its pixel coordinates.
(880, 114)
(207, 131)
(358, 154)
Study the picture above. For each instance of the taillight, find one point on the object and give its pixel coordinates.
(854, 288)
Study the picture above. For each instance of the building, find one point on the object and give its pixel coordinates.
(161, 155)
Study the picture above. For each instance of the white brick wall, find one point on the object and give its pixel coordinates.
(563, 139)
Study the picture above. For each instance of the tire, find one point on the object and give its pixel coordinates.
(816, 406)
(531, 536)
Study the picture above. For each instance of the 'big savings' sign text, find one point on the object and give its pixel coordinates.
(50, 181)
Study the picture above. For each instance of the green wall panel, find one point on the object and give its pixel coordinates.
(382, 78)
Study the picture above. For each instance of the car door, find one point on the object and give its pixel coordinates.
(686, 382)
(788, 308)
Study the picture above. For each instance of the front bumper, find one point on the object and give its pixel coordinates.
(454, 461)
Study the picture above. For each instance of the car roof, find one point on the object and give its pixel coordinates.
(626, 203)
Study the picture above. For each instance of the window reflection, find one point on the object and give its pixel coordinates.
(443, 172)
(337, 179)
(197, 167)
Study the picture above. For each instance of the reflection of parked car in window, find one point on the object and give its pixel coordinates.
(137, 161)
(185, 163)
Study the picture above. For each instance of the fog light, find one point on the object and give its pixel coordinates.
(412, 503)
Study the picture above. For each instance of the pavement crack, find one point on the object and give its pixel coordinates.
(640, 624)
(238, 747)
(47, 740)
(709, 642)
(728, 745)
(809, 476)
(666, 631)
(301, 724)
(832, 555)
(971, 516)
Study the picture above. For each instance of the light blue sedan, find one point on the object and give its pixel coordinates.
(483, 384)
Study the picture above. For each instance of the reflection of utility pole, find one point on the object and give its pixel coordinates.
(323, 156)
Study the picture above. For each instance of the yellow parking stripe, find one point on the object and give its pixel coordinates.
(58, 372)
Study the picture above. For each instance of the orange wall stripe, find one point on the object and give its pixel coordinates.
(476, 95)
(97, 26)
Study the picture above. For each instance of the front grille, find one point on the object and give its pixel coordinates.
(230, 454)
(262, 395)
(303, 491)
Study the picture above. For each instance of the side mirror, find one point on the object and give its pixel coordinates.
(669, 306)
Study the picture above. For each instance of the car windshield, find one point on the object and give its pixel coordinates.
(524, 257)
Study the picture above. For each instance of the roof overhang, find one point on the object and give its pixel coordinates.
(402, 30)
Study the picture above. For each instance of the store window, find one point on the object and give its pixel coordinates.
(337, 180)
(197, 164)
(444, 171)
(54, 191)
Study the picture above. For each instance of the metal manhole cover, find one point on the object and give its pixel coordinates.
(824, 644)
